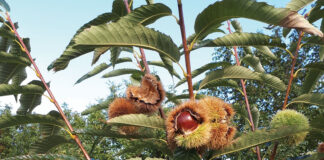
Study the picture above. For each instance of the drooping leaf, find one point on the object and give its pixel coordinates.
(45, 144)
(101, 67)
(98, 69)
(286, 31)
(61, 63)
(242, 111)
(18, 78)
(29, 101)
(247, 39)
(188, 154)
(42, 156)
(202, 69)
(237, 26)
(161, 64)
(47, 129)
(97, 54)
(317, 122)
(16, 49)
(149, 1)
(5, 33)
(168, 64)
(316, 65)
(115, 52)
(119, 8)
(148, 14)
(239, 72)
(6, 89)
(102, 105)
(311, 79)
(254, 62)
(140, 120)
(126, 34)
(119, 72)
(8, 121)
(311, 98)
(265, 50)
(223, 10)
(296, 5)
(217, 83)
(5, 5)
(316, 14)
(259, 137)
(5, 42)
(10, 58)
(7, 71)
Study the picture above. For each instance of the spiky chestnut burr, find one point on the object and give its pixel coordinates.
(119, 107)
(290, 117)
(220, 114)
(187, 126)
(147, 97)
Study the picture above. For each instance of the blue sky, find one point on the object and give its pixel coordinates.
(51, 24)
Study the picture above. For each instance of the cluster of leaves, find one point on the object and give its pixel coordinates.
(118, 31)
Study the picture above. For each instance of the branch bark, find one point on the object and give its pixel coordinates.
(244, 91)
(53, 100)
(186, 50)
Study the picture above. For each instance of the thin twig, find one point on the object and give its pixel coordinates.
(244, 92)
(294, 60)
(292, 70)
(186, 50)
(53, 100)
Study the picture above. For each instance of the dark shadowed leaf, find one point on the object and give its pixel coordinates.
(6, 89)
(50, 130)
(8, 121)
(45, 144)
(311, 79)
(188, 154)
(97, 54)
(10, 58)
(29, 101)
